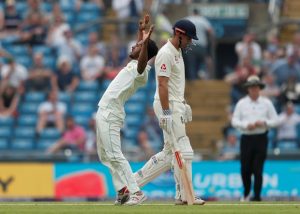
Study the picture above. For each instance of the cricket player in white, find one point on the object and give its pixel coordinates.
(110, 117)
(171, 110)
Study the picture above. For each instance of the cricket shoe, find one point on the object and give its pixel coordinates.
(198, 201)
(245, 198)
(136, 198)
(122, 197)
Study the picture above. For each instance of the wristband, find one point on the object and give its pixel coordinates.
(167, 112)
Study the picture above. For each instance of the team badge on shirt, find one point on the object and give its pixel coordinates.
(163, 67)
(176, 59)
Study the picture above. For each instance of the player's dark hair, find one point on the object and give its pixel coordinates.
(152, 49)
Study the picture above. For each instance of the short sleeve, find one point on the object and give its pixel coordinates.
(163, 65)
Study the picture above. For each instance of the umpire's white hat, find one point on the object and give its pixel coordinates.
(254, 80)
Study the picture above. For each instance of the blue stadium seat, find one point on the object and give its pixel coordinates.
(24, 132)
(91, 97)
(88, 86)
(106, 84)
(22, 144)
(69, 17)
(83, 109)
(4, 143)
(6, 122)
(84, 17)
(44, 144)
(82, 38)
(18, 50)
(46, 7)
(50, 134)
(82, 120)
(22, 8)
(90, 7)
(64, 97)
(297, 108)
(8, 40)
(50, 62)
(29, 107)
(139, 96)
(131, 133)
(27, 120)
(45, 50)
(5, 132)
(133, 120)
(287, 145)
(24, 60)
(35, 96)
(134, 108)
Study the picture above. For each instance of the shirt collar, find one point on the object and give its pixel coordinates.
(252, 101)
(172, 48)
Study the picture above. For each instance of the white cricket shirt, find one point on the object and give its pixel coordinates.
(122, 88)
(248, 111)
(169, 63)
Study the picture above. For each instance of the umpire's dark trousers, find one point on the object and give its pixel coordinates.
(253, 155)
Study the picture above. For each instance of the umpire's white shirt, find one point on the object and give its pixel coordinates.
(248, 111)
(122, 87)
(169, 63)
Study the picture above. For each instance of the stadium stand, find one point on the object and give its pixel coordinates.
(209, 97)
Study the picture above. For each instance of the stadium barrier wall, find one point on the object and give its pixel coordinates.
(211, 179)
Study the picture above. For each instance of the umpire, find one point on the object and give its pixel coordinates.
(253, 116)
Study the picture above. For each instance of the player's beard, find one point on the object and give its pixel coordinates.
(189, 47)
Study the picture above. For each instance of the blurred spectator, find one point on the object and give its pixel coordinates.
(272, 43)
(92, 65)
(97, 3)
(243, 71)
(10, 19)
(229, 147)
(51, 113)
(73, 138)
(69, 47)
(34, 6)
(56, 31)
(9, 100)
(150, 136)
(40, 78)
(94, 41)
(288, 121)
(55, 14)
(290, 91)
(269, 59)
(35, 31)
(286, 69)
(294, 47)
(13, 74)
(3, 53)
(248, 48)
(271, 90)
(238, 78)
(199, 56)
(66, 79)
(91, 144)
(163, 26)
(127, 9)
(116, 57)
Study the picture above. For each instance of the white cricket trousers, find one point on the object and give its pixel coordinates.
(177, 140)
(109, 150)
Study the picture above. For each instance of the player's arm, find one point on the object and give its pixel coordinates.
(143, 56)
(163, 91)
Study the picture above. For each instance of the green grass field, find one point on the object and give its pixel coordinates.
(149, 207)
